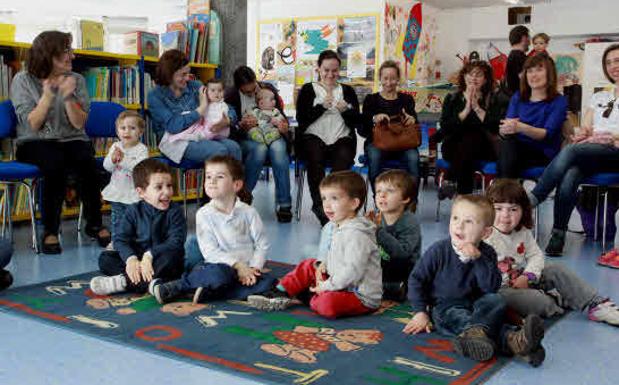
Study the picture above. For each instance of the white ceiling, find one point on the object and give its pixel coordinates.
(476, 3)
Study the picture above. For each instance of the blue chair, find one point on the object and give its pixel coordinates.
(16, 173)
(101, 123)
(183, 167)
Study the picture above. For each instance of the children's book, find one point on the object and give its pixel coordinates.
(92, 35)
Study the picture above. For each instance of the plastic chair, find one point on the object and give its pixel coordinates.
(602, 180)
(16, 173)
(101, 123)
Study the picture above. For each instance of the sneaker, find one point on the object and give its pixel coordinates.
(167, 292)
(475, 344)
(271, 300)
(527, 339)
(556, 243)
(447, 190)
(6, 279)
(284, 214)
(104, 285)
(199, 296)
(605, 312)
(152, 284)
(536, 357)
(606, 258)
(395, 291)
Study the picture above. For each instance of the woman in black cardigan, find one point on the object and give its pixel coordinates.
(379, 107)
(328, 114)
(470, 126)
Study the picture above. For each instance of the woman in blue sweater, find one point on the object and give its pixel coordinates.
(178, 102)
(531, 131)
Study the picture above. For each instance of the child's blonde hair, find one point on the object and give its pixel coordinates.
(263, 91)
(542, 36)
(510, 191)
(402, 181)
(482, 203)
(131, 114)
(349, 181)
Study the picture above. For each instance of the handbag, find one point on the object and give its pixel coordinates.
(395, 135)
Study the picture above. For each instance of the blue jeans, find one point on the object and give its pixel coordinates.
(118, 212)
(567, 171)
(410, 158)
(6, 251)
(193, 255)
(255, 155)
(453, 317)
(220, 281)
(206, 149)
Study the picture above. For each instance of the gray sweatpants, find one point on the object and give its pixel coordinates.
(559, 288)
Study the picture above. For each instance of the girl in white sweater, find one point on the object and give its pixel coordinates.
(530, 286)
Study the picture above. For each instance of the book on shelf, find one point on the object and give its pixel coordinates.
(91, 35)
(7, 32)
(198, 26)
(141, 43)
(198, 7)
(214, 39)
(169, 40)
(115, 83)
(6, 76)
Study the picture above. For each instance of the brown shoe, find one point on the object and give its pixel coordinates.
(528, 338)
(475, 344)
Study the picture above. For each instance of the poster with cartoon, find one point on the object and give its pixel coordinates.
(569, 69)
(270, 37)
(315, 36)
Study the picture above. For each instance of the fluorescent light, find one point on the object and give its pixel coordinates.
(513, 2)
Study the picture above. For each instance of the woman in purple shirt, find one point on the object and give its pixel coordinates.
(531, 131)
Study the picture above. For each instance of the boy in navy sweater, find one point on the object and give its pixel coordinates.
(456, 283)
(150, 243)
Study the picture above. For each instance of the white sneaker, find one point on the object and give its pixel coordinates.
(605, 312)
(104, 285)
(152, 284)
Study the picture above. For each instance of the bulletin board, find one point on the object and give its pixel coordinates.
(287, 51)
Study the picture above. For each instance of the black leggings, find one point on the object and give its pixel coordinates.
(56, 160)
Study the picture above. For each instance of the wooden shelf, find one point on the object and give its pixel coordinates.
(106, 55)
(131, 106)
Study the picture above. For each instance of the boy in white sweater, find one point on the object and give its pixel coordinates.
(530, 286)
(346, 278)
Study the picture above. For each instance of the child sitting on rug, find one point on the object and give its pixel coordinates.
(398, 234)
(531, 286)
(456, 283)
(346, 278)
(151, 237)
(232, 242)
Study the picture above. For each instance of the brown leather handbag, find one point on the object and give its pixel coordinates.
(395, 136)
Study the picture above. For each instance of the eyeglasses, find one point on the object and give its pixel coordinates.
(609, 109)
(68, 51)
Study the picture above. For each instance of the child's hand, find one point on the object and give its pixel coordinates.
(248, 121)
(419, 323)
(133, 270)
(469, 250)
(117, 155)
(320, 269)
(316, 289)
(282, 125)
(146, 267)
(521, 282)
(247, 275)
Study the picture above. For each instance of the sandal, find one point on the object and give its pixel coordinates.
(51, 244)
(101, 234)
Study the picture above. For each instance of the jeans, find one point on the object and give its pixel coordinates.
(56, 160)
(193, 255)
(453, 317)
(118, 212)
(220, 281)
(167, 267)
(516, 156)
(410, 158)
(559, 288)
(254, 157)
(206, 149)
(567, 171)
(6, 251)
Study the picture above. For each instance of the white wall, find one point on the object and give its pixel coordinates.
(258, 10)
(566, 21)
(33, 16)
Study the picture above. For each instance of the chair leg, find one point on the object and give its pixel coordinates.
(4, 211)
(597, 209)
(79, 217)
(29, 190)
(536, 218)
(438, 201)
(184, 187)
(605, 215)
(300, 183)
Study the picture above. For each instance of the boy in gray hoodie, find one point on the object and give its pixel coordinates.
(346, 278)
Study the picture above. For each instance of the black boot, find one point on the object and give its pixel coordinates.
(556, 243)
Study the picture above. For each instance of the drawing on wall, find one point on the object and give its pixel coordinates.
(569, 69)
(270, 38)
(313, 37)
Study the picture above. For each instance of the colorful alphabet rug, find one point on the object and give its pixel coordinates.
(295, 346)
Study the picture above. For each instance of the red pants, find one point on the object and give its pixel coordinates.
(329, 304)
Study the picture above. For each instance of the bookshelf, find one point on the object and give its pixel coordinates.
(108, 64)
